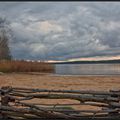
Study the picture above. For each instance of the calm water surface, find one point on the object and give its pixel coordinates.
(87, 69)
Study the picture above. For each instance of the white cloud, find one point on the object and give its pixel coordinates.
(45, 27)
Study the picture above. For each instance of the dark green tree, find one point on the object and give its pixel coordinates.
(5, 36)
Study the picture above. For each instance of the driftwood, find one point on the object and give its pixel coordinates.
(14, 103)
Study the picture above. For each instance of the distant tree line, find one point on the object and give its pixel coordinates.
(91, 62)
(5, 35)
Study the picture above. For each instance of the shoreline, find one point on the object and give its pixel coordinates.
(55, 74)
(86, 75)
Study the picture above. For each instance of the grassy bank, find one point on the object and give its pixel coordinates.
(25, 66)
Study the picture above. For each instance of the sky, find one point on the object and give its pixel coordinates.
(63, 30)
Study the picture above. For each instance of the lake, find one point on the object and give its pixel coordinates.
(87, 69)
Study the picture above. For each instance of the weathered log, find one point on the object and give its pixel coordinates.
(35, 112)
(69, 96)
(114, 104)
(68, 91)
(18, 114)
(40, 113)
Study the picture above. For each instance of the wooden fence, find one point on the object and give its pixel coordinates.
(25, 103)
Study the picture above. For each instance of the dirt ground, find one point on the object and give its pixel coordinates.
(49, 81)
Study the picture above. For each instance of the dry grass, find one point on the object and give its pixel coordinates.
(24, 66)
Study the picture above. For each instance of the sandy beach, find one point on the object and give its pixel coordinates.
(49, 81)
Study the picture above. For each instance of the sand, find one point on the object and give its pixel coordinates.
(49, 81)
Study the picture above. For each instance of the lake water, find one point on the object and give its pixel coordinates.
(87, 69)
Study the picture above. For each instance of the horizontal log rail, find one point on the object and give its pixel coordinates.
(32, 90)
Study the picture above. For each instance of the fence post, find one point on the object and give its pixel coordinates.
(4, 99)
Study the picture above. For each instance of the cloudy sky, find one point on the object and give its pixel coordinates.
(63, 30)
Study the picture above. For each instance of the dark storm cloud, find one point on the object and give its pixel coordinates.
(63, 30)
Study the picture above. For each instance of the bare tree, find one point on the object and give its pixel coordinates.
(5, 35)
